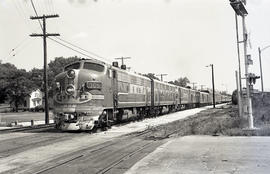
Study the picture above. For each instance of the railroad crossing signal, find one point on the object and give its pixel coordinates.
(252, 78)
(239, 7)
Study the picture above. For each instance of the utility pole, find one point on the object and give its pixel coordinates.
(45, 77)
(260, 52)
(238, 56)
(261, 71)
(238, 95)
(202, 87)
(193, 85)
(161, 76)
(240, 9)
(122, 59)
(249, 104)
(213, 85)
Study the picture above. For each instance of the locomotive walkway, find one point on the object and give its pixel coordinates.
(207, 154)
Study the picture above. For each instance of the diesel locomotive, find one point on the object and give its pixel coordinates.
(90, 94)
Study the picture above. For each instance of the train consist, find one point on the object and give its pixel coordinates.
(92, 94)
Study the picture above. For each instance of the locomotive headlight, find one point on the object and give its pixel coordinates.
(70, 89)
(57, 86)
(71, 74)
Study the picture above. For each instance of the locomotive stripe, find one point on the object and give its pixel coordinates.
(98, 97)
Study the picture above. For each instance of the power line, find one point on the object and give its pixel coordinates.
(22, 42)
(21, 12)
(70, 48)
(80, 48)
(53, 10)
(34, 8)
(76, 50)
(33, 5)
(38, 6)
(46, 5)
(15, 52)
(17, 8)
(50, 5)
(19, 47)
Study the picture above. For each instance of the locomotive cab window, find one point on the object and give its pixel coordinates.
(72, 66)
(93, 66)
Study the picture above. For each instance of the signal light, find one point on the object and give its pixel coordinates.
(239, 7)
(252, 78)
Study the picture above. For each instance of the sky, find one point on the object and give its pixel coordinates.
(175, 37)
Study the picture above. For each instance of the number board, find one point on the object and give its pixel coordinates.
(93, 85)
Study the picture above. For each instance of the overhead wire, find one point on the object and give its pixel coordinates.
(19, 47)
(53, 10)
(59, 38)
(21, 12)
(38, 6)
(17, 8)
(22, 8)
(45, 7)
(26, 40)
(49, 5)
(14, 52)
(69, 47)
(34, 8)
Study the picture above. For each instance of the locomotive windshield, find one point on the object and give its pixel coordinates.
(93, 66)
(72, 66)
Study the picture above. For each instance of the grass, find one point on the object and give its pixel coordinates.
(214, 122)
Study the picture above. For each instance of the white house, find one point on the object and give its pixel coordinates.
(33, 99)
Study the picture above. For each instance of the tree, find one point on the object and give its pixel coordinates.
(55, 67)
(182, 81)
(151, 75)
(5, 71)
(36, 76)
(19, 87)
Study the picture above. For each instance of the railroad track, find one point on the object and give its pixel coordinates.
(101, 158)
(22, 129)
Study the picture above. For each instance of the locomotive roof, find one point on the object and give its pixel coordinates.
(86, 60)
(130, 72)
